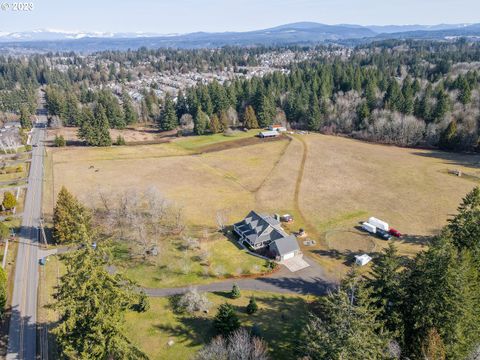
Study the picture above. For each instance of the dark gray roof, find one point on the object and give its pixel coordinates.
(286, 245)
(260, 228)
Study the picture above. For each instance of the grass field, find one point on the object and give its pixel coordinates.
(329, 184)
(280, 319)
(152, 330)
(175, 268)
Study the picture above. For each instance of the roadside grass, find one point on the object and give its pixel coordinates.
(175, 266)
(49, 275)
(196, 142)
(280, 319)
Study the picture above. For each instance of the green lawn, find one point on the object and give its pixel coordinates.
(279, 318)
(175, 267)
(196, 142)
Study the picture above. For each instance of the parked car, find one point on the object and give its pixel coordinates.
(43, 261)
(395, 233)
(383, 234)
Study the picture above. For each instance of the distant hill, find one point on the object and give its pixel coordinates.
(302, 33)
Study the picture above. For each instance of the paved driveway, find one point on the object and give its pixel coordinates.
(296, 263)
(310, 280)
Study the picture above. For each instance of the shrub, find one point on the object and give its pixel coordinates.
(235, 293)
(9, 201)
(143, 303)
(60, 141)
(120, 140)
(252, 306)
(226, 321)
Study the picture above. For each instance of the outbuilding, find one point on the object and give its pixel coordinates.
(362, 260)
(268, 134)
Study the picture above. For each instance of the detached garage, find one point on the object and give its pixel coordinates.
(285, 248)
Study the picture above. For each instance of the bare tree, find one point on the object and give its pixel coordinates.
(193, 301)
(222, 219)
(239, 346)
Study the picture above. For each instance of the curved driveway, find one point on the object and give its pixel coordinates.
(311, 280)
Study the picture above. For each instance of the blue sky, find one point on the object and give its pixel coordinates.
(181, 16)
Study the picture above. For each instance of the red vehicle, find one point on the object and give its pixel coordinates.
(395, 233)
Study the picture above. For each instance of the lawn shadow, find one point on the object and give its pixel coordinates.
(348, 255)
(193, 331)
(422, 240)
(469, 160)
(281, 323)
(225, 294)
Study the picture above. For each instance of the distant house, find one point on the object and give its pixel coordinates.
(268, 134)
(261, 231)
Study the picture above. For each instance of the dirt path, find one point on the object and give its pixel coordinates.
(311, 230)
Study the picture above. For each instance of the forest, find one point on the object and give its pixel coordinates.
(408, 93)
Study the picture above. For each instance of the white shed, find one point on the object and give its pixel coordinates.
(362, 260)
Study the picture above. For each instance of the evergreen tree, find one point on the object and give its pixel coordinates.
(465, 226)
(385, 281)
(235, 293)
(92, 303)
(72, 112)
(215, 126)
(370, 94)
(129, 111)
(25, 121)
(443, 105)
(266, 111)
(168, 117)
(442, 286)
(250, 119)
(226, 321)
(347, 326)
(101, 126)
(448, 138)
(363, 112)
(223, 121)
(181, 106)
(393, 97)
(465, 95)
(314, 116)
(200, 122)
(69, 218)
(252, 306)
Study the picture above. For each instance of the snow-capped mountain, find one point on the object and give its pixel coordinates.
(52, 35)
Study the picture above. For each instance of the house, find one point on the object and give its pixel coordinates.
(362, 260)
(261, 231)
(277, 127)
(285, 248)
(268, 134)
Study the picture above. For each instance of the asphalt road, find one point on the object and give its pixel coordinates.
(22, 339)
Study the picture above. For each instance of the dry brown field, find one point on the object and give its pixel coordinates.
(328, 183)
